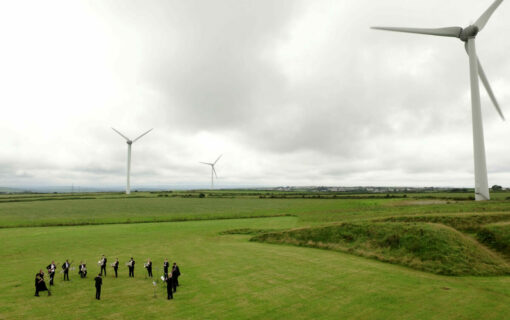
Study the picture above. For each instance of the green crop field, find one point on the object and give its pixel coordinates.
(227, 276)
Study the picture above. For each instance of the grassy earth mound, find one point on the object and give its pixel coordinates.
(496, 236)
(424, 246)
(463, 222)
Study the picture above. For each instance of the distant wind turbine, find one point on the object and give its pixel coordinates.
(129, 143)
(468, 35)
(213, 171)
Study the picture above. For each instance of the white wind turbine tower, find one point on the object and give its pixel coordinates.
(213, 171)
(468, 36)
(129, 143)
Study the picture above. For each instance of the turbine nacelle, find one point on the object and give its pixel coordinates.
(469, 33)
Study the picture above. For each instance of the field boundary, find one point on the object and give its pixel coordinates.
(88, 223)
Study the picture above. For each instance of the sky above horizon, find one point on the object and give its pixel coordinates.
(290, 92)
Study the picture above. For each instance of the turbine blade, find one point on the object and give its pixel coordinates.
(484, 18)
(123, 136)
(142, 135)
(442, 32)
(207, 163)
(218, 159)
(214, 171)
(487, 86)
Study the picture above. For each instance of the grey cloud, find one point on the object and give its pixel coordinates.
(305, 89)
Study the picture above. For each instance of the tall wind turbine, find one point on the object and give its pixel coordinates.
(213, 172)
(468, 36)
(129, 143)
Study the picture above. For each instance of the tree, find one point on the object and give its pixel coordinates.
(496, 188)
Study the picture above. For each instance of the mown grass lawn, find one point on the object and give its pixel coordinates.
(228, 277)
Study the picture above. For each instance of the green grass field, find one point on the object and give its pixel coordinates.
(107, 209)
(227, 276)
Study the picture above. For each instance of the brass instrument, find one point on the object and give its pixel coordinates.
(68, 267)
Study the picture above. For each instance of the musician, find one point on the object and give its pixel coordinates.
(165, 267)
(51, 271)
(103, 265)
(40, 285)
(175, 275)
(149, 267)
(169, 286)
(116, 266)
(65, 267)
(82, 270)
(99, 283)
(131, 266)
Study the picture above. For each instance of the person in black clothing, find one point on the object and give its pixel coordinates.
(82, 270)
(103, 265)
(116, 266)
(131, 266)
(36, 283)
(40, 285)
(169, 286)
(65, 267)
(51, 271)
(165, 267)
(99, 283)
(175, 275)
(149, 267)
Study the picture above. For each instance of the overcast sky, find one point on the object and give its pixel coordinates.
(291, 92)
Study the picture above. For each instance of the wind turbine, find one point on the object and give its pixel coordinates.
(213, 172)
(129, 143)
(468, 36)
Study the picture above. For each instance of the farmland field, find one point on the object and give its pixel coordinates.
(227, 276)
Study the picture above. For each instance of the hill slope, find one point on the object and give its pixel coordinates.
(424, 246)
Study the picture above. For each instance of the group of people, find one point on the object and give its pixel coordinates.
(170, 278)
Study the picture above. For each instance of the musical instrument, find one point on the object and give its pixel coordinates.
(129, 264)
(113, 264)
(162, 278)
(69, 266)
(145, 265)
